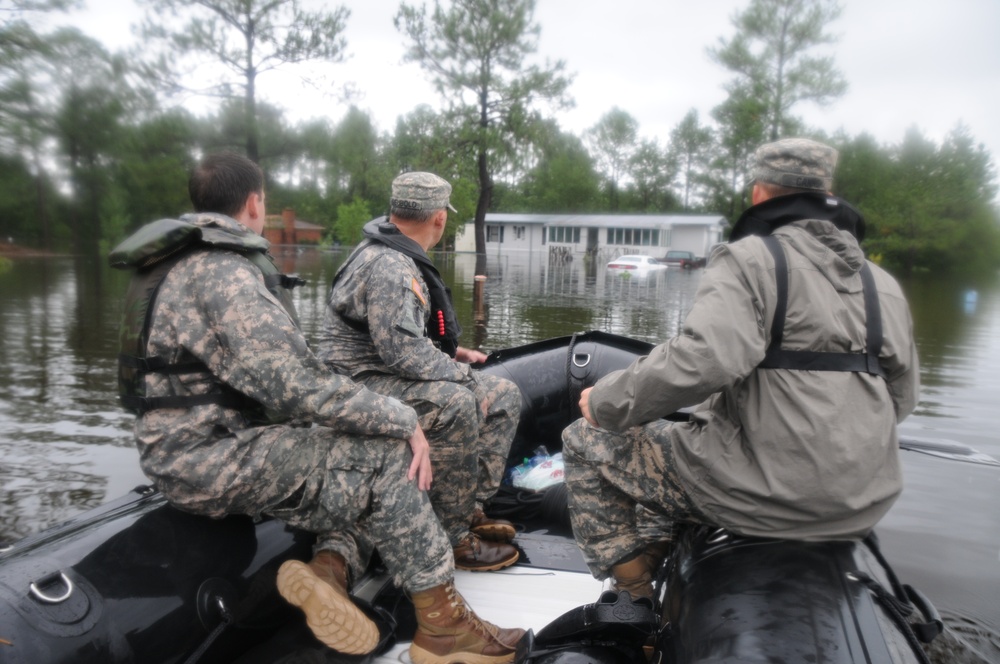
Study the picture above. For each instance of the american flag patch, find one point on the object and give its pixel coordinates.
(418, 291)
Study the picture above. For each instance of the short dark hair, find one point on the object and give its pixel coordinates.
(222, 182)
(419, 216)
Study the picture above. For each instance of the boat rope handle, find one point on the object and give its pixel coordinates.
(226, 619)
(42, 597)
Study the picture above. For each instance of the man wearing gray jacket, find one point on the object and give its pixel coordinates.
(798, 359)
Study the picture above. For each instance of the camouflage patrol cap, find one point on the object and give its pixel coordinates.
(420, 192)
(798, 163)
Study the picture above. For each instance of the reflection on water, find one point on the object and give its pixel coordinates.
(66, 445)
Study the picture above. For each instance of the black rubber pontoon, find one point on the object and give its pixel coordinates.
(139, 581)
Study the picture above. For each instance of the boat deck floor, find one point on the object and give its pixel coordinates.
(518, 596)
(549, 580)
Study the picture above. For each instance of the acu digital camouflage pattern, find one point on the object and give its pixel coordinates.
(345, 472)
(420, 192)
(468, 450)
(608, 476)
(798, 163)
(384, 288)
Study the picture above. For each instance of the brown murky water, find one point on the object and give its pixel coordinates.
(65, 445)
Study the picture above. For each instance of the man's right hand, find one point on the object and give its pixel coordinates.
(420, 466)
(585, 407)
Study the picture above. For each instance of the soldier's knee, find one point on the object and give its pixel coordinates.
(397, 457)
(574, 438)
(510, 397)
(461, 404)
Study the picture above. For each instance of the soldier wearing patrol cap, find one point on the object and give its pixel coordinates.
(418, 192)
(219, 372)
(391, 325)
(796, 164)
(797, 359)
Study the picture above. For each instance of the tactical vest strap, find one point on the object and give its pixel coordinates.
(285, 281)
(133, 365)
(159, 364)
(225, 399)
(807, 360)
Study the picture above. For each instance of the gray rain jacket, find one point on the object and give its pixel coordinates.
(777, 452)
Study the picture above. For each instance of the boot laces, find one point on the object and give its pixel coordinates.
(475, 545)
(463, 612)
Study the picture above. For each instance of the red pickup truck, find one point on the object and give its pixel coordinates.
(683, 259)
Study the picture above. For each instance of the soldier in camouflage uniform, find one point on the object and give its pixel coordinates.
(798, 360)
(222, 379)
(390, 324)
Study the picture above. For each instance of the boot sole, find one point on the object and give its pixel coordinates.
(496, 533)
(420, 656)
(333, 618)
(491, 568)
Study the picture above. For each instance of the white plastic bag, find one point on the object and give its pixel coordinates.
(545, 474)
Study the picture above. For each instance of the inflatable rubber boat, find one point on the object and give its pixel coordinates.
(137, 580)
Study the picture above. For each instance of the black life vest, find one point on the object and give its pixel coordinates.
(442, 328)
(761, 220)
(152, 252)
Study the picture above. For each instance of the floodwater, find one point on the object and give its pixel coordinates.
(65, 444)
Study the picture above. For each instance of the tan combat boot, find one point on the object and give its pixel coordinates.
(495, 530)
(634, 576)
(320, 590)
(448, 632)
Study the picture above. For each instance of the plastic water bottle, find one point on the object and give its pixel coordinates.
(541, 456)
(518, 472)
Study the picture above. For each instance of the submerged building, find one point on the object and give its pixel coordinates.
(604, 236)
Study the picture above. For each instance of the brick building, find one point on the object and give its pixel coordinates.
(285, 228)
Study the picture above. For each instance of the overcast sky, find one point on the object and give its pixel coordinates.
(929, 64)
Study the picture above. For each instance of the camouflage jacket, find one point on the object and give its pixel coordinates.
(383, 289)
(214, 305)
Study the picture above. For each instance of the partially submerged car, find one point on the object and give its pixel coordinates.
(683, 259)
(634, 263)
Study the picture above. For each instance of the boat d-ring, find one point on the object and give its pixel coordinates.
(581, 359)
(48, 599)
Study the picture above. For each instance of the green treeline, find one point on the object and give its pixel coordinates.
(94, 143)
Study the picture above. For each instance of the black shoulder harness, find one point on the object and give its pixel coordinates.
(443, 328)
(778, 358)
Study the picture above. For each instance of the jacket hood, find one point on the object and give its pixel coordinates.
(763, 218)
(833, 228)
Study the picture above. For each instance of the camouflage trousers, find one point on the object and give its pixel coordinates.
(468, 447)
(624, 491)
(351, 491)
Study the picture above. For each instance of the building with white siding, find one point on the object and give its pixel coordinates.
(605, 236)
